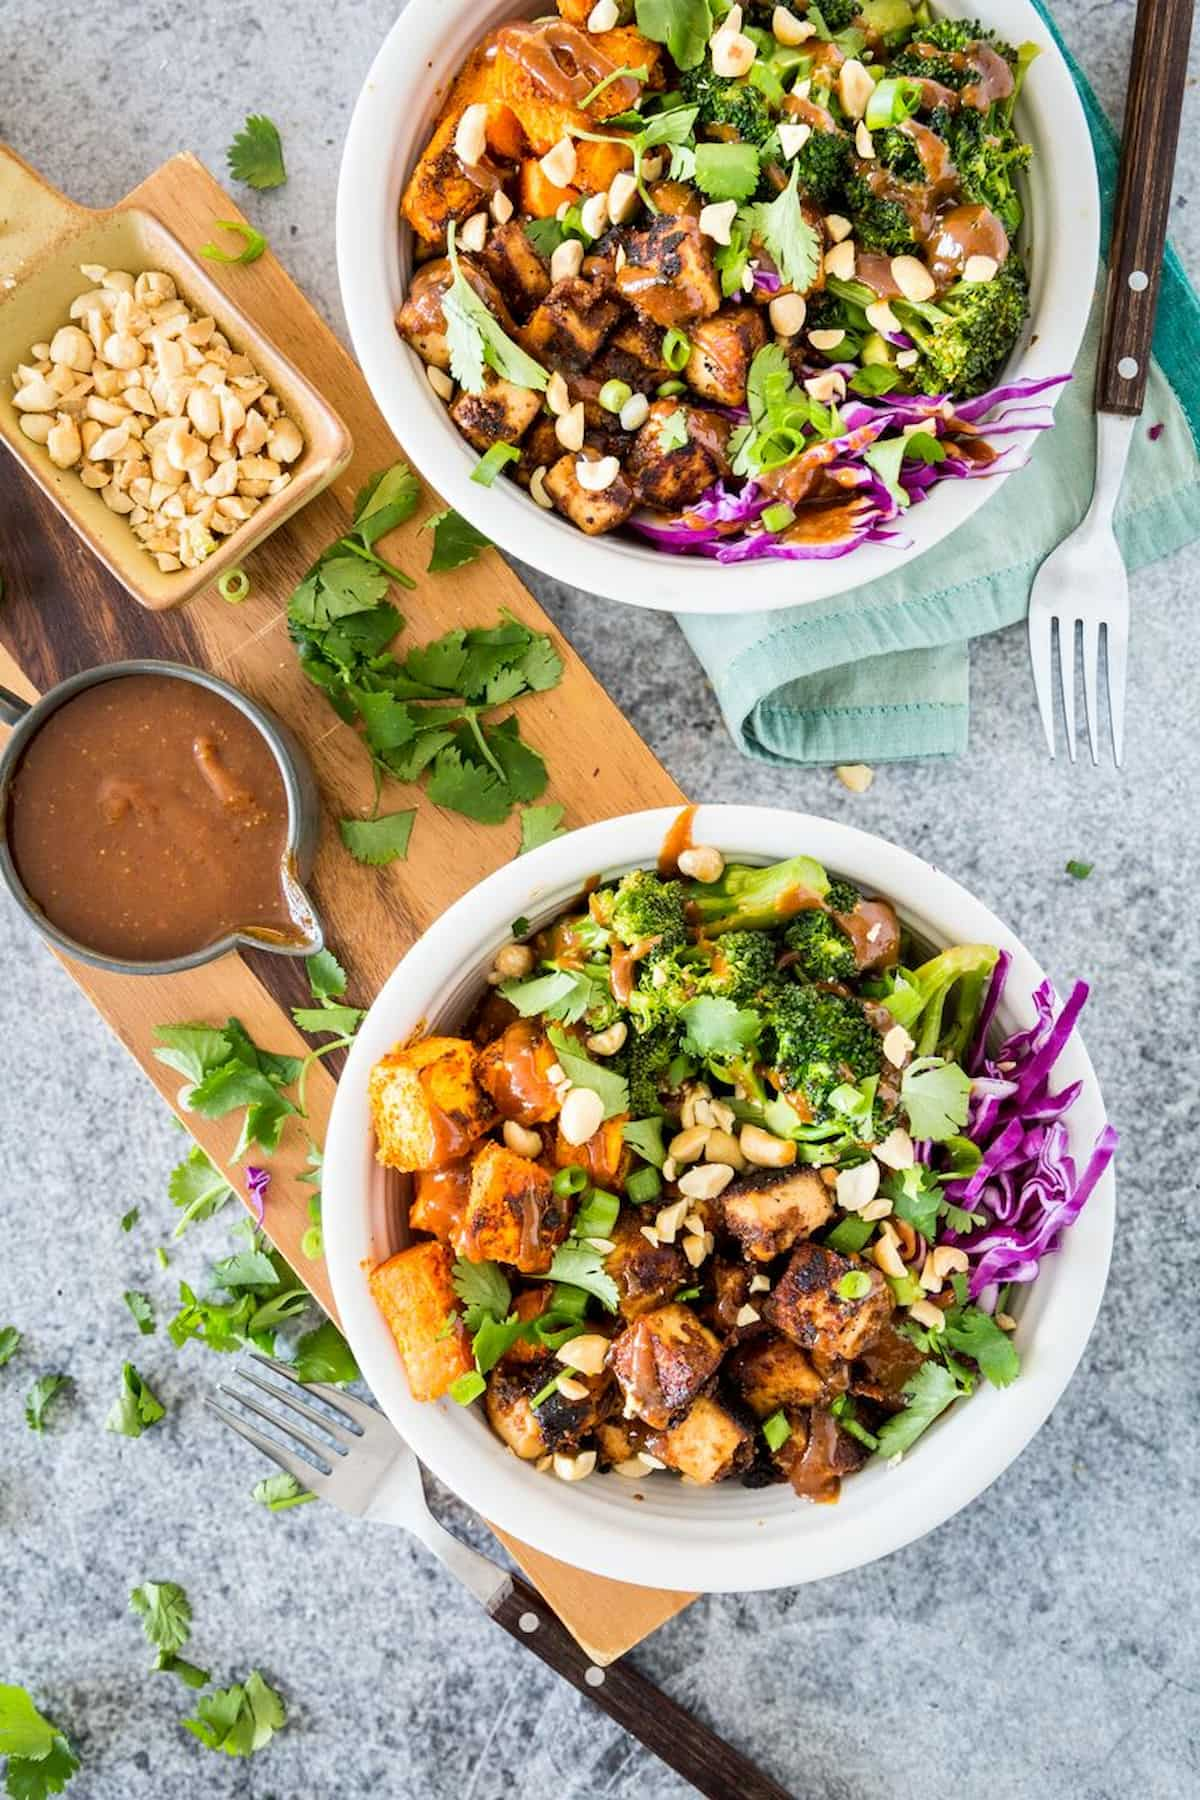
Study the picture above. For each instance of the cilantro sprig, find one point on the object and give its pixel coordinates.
(135, 1407)
(41, 1760)
(477, 341)
(256, 154)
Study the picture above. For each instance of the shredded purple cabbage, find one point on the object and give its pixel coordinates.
(1027, 1185)
(725, 523)
(257, 1183)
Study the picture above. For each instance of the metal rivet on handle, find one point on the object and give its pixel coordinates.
(1127, 368)
(528, 1621)
(594, 1676)
(1139, 281)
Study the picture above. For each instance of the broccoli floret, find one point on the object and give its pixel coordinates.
(966, 336)
(960, 34)
(823, 167)
(939, 1003)
(747, 899)
(898, 154)
(822, 949)
(838, 14)
(646, 1060)
(819, 1041)
(988, 155)
(879, 225)
(743, 964)
(723, 101)
(931, 56)
(646, 907)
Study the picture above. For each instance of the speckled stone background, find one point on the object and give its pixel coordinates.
(1043, 1642)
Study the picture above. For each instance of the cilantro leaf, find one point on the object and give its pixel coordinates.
(235, 1084)
(10, 1343)
(194, 1050)
(388, 499)
(341, 1021)
(142, 1308)
(494, 1338)
(646, 1137)
(39, 1397)
(256, 154)
(253, 243)
(915, 1197)
(483, 1288)
(1080, 870)
(476, 338)
(238, 1720)
(468, 788)
(455, 541)
(563, 994)
(787, 235)
(545, 235)
(936, 1096)
(975, 1333)
(23, 1730)
(129, 1219)
(583, 1267)
(326, 976)
(381, 840)
(673, 432)
(165, 1612)
(324, 1355)
(278, 1492)
(34, 1779)
(198, 1186)
(716, 1027)
(684, 26)
(928, 1393)
(727, 171)
(167, 1663)
(135, 1408)
(612, 1088)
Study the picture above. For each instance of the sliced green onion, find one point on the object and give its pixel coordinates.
(571, 1180)
(676, 348)
(163, 1259)
(568, 1301)
(849, 1235)
(492, 461)
(234, 586)
(614, 394)
(542, 1394)
(854, 1285)
(312, 1244)
(644, 1185)
(892, 100)
(779, 516)
(779, 446)
(253, 243)
(776, 1430)
(905, 1289)
(665, 389)
(692, 1293)
(597, 1216)
(468, 1387)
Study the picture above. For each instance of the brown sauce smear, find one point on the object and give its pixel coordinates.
(148, 818)
(518, 1082)
(440, 1200)
(874, 933)
(678, 839)
(564, 62)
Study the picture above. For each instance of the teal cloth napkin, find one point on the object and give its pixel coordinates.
(881, 673)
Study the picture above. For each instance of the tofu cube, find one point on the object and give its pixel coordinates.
(769, 1210)
(558, 1423)
(633, 354)
(807, 1308)
(663, 1361)
(414, 1293)
(646, 1274)
(427, 1107)
(708, 1444)
(669, 479)
(421, 320)
(502, 413)
(722, 350)
(669, 274)
(512, 1213)
(771, 1373)
(514, 1071)
(592, 513)
(572, 322)
(516, 268)
(439, 1199)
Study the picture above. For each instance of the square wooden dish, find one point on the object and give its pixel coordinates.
(33, 308)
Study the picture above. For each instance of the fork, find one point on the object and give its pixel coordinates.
(362, 1465)
(1083, 584)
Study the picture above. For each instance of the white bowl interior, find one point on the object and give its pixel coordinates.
(662, 1532)
(401, 98)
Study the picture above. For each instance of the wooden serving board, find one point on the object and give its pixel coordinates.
(62, 612)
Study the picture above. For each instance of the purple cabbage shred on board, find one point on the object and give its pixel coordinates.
(257, 1183)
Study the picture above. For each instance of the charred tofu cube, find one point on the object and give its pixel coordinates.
(633, 354)
(646, 1274)
(512, 1213)
(668, 273)
(722, 350)
(619, 1441)
(515, 1071)
(572, 322)
(731, 1291)
(539, 449)
(663, 1361)
(806, 1307)
(515, 266)
(439, 1199)
(769, 1210)
(502, 413)
(594, 513)
(606, 1156)
(426, 1105)
(414, 1293)
(708, 1444)
(421, 320)
(677, 455)
(818, 1454)
(558, 1423)
(770, 1373)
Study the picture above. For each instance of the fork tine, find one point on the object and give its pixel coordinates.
(1091, 677)
(356, 1413)
(1041, 655)
(303, 1471)
(291, 1400)
(1066, 669)
(327, 1452)
(1116, 651)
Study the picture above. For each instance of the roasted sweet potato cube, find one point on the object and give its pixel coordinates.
(806, 1307)
(558, 1423)
(708, 1443)
(514, 1071)
(770, 1372)
(606, 1156)
(414, 1293)
(662, 1361)
(439, 188)
(646, 1274)
(421, 320)
(512, 1214)
(669, 474)
(503, 412)
(675, 197)
(669, 274)
(592, 513)
(426, 1105)
(569, 326)
(439, 1199)
(522, 276)
(769, 1210)
(722, 350)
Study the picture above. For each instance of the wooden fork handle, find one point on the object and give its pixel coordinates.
(713, 1767)
(1157, 75)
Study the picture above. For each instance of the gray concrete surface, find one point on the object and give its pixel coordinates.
(1045, 1641)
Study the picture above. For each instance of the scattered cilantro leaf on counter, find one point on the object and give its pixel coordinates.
(167, 1663)
(40, 1758)
(477, 339)
(278, 1492)
(165, 1612)
(39, 1397)
(935, 1094)
(253, 243)
(326, 976)
(256, 154)
(1079, 870)
(198, 1186)
(239, 1720)
(928, 1393)
(142, 1308)
(192, 1049)
(324, 1355)
(10, 1343)
(135, 1408)
(388, 499)
(380, 840)
(584, 1267)
(455, 541)
(787, 235)
(343, 1021)
(579, 1069)
(129, 1219)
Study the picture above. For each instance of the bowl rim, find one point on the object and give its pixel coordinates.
(412, 67)
(712, 1540)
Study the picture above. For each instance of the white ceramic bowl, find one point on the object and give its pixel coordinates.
(401, 97)
(660, 1532)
